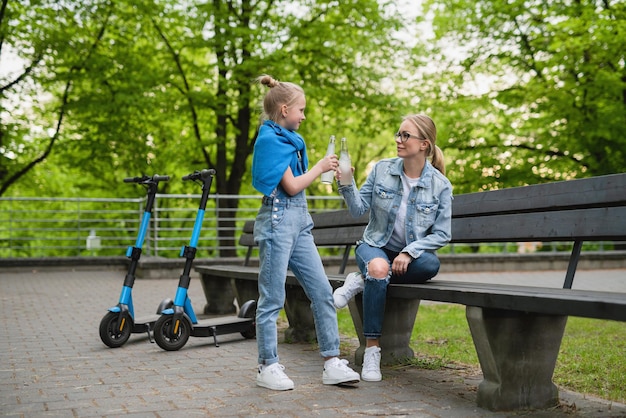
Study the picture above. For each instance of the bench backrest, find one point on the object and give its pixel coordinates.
(591, 209)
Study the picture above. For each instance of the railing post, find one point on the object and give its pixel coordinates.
(78, 219)
(217, 224)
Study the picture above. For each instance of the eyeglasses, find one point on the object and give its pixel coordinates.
(404, 136)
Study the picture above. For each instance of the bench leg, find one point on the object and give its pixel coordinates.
(517, 353)
(245, 290)
(219, 295)
(397, 328)
(298, 309)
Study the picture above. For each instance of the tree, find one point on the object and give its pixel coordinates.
(555, 105)
(168, 86)
(38, 33)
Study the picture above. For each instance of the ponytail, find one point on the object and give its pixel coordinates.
(438, 161)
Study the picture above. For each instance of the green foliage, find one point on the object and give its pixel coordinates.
(531, 91)
(160, 86)
(522, 92)
(116, 89)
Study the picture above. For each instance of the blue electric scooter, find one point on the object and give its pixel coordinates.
(178, 323)
(119, 322)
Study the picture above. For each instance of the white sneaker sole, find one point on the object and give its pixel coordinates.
(340, 382)
(267, 386)
(371, 379)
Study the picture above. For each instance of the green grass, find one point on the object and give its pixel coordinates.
(591, 360)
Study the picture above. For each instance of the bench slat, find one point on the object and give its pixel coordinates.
(229, 271)
(601, 191)
(337, 218)
(248, 227)
(338, 236)
(587, 224)
(329, 237)
(553, 301)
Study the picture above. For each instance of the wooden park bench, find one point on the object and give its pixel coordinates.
(516, 329)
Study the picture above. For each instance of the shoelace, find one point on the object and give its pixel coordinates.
(370, 361)
(354, 284)
(278, 371)
(352, 287)
(341, 364)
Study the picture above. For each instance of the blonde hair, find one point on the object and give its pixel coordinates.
(280, 93)
(427, 129)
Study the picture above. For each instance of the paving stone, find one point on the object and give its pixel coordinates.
(53, 364)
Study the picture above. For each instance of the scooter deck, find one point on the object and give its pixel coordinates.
(145, 324)
(221, 325)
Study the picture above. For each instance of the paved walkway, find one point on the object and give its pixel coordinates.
(52, 363)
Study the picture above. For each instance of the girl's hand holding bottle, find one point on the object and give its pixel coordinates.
(328, 163)
(327, 176)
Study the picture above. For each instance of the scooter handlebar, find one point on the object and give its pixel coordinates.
(143, 179)
(156, 177)
(202, 174)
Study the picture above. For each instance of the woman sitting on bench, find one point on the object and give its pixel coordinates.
(410, 204)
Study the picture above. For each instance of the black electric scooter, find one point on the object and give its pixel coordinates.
(176, 324)
(119, 322)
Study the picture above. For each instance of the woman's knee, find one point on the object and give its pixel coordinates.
(424, 268)
(378, 268)
(432, 265)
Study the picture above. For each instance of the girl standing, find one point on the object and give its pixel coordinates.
(283, 230)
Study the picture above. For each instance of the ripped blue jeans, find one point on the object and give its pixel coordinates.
(422, 269)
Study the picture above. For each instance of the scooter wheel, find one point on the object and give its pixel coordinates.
(113, 333)
(169, 335)
(248, 310)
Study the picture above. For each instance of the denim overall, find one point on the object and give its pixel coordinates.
(283, 231)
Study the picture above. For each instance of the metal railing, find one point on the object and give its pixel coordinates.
(68, 227)
(58, 227)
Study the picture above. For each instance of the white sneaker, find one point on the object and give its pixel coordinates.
(337, 372)
(371, 365)
(352, 285)
(273, 377)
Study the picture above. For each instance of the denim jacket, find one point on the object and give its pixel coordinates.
(428, 213)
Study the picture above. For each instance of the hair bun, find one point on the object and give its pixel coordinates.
(269, 81)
